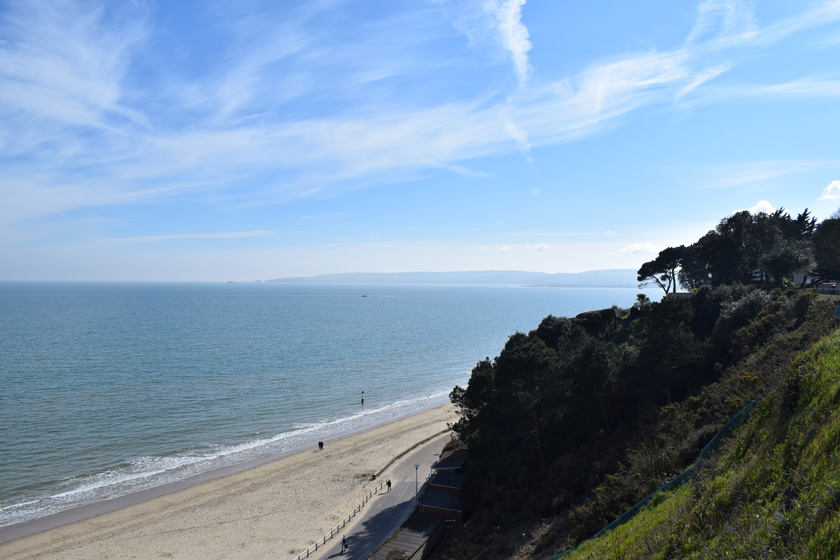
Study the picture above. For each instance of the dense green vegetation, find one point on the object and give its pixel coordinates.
(576, 421)
(773, 491)
(747, 248)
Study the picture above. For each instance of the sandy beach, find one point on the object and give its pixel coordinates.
(275, 510)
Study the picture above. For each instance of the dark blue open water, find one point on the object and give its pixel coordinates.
(106, 389)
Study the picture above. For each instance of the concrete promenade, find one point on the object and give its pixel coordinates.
(383, 513)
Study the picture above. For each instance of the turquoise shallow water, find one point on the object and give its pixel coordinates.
(106, 389)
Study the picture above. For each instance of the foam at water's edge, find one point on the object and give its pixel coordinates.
(144, 473)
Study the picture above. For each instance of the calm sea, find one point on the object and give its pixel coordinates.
(107, 389)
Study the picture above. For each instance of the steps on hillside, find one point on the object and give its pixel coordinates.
(408, 539)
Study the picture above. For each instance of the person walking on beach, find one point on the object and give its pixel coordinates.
(388, 484)
(344, 546)
(320, 446)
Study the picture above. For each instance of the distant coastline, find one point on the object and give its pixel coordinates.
(612, 278)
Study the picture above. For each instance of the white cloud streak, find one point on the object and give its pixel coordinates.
(62, 67)
(513, 34)
(723, 21)
(643, 247)
(824, 13)
(702, 77)
(757, 173)
(182, 236)
(80, 132)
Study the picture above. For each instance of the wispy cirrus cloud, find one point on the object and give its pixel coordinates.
(197, 236)
(805, 87)
(62, 67)
(821, 14)
(513, 34)
(494, 22)
(98, 137)
(750, 174)
(592, 100)
(721, 22)
(729, 24)
(702, 77)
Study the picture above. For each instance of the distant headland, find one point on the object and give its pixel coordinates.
(613, 278)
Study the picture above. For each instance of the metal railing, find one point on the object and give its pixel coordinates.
(322, 541)
(413, 505)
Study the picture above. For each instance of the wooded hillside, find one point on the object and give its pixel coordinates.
(577, 420)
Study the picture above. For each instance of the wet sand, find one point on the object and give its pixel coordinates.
(276, 509)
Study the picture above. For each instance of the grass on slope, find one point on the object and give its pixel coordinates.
(772, 491)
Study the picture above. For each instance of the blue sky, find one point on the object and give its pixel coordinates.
(251, 140)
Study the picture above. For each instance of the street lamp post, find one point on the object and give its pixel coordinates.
(415, 479)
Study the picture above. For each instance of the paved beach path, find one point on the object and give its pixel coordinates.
(383, 513)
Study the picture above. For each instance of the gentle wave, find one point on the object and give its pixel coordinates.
(110, 389)
(144, 473)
